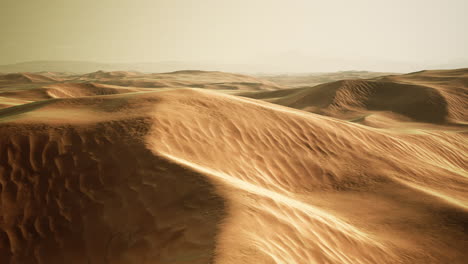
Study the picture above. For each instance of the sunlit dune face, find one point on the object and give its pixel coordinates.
(285, 176)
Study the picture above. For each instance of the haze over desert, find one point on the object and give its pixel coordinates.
(233, 132)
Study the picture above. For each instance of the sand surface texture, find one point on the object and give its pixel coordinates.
(209, 167)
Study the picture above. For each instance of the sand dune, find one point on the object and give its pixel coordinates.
(312, 79)
(197, 176)
(451, 84)
(64, 90)
(111, 74)
(28, 94)
(196, 79)
(9, 102)
(438, 97)
(25, 78)
(27, 87)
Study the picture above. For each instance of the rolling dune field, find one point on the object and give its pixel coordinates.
(212, 167)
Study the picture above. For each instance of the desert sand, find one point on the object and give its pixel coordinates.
(212, 167)
(311, 79)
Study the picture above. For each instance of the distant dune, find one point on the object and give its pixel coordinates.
(111, 74)
(439, 97)
(46, 85)
(101, 169)
(312, 79)
(60, 90)
(26, 78)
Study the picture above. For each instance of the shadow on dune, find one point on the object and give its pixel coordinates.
(423, 104)
(98, 195)
(350, 98)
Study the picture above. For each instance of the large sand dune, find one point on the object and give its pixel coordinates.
(437, 97)
(99, 173)
(312, 79)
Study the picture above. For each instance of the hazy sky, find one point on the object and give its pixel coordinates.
(298, 33)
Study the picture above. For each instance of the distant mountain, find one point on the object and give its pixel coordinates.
(276, 65)
(56, 66)
(86, 66)
(80, 67)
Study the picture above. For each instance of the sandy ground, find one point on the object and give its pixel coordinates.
(105, 168)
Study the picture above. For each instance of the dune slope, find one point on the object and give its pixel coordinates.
(74, 190)
(435, 97)
(26, 78)
(194, 176)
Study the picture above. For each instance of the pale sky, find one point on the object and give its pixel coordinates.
(296, 35)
